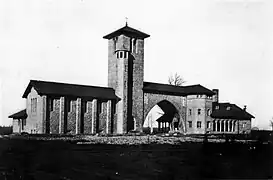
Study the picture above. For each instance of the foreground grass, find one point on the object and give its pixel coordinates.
(58, 159)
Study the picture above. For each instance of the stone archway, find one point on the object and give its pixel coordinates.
(170, 120)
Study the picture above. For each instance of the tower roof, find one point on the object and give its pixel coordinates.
(128, 31)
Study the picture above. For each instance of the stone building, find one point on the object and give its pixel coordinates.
(60, 108)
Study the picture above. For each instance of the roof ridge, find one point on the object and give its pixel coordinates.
(174, 85)
(63, 83)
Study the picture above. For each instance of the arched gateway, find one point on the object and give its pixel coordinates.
(162, 117)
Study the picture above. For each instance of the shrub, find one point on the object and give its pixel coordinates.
(5, 130)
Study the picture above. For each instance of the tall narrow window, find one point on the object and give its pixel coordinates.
(190, 112)
(33, 105)
(51, 104)
(121, 54)
(198, 124)
(190, 124)
(199, 111)
(208, 112)
(208, 124)
(69, 103)
(99, 105)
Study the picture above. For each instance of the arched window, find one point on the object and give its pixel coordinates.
(208, 112)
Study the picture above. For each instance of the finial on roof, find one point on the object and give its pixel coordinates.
(126, 24)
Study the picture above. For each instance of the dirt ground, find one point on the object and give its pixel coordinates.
(55, 159)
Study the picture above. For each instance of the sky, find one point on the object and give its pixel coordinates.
(222, 44)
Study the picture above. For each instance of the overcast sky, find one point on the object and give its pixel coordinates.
(219, 44)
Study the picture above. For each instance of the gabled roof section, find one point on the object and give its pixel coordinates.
(75, 90)
(197, 89)
(19, 115)
(128, 31)
(229, 111)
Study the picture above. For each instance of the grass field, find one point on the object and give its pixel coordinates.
(32, 159)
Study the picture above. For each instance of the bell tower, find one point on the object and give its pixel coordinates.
(125, 76)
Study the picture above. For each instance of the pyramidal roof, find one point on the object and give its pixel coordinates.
(128, 31)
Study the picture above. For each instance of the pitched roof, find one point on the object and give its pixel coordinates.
(19, 115)
(128, 31)
(75, 90)
(229, 111)
(150, 87)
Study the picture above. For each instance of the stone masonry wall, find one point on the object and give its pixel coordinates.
(244, 126)
(138, 75)
(102, 117)
(88, 118)
(54, 116)
(71, 118)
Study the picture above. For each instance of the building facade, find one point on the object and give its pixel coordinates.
(59, 108)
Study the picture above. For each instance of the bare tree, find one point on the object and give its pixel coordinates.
(271, 123)
(176, 80)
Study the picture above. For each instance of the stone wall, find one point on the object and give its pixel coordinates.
(88, 118)
(244, 126)
(71, 117)
(138, 77)
(54, 115)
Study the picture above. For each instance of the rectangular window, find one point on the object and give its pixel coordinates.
(69, 103)
(99, 107)
(33, 105)
(216, 107)
(198, 124)
(51, 104)
(199, 111)
(208, 124)
(86, 106)
(190, 124)
(190, 112)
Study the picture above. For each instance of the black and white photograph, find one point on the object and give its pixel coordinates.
(136, 90)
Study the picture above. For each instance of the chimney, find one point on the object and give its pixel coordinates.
(215, 97)
(244, 107)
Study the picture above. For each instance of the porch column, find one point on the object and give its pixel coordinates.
(78, 115)
(61, 116)
(94, 116)
(220, 125)
(227, 125)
